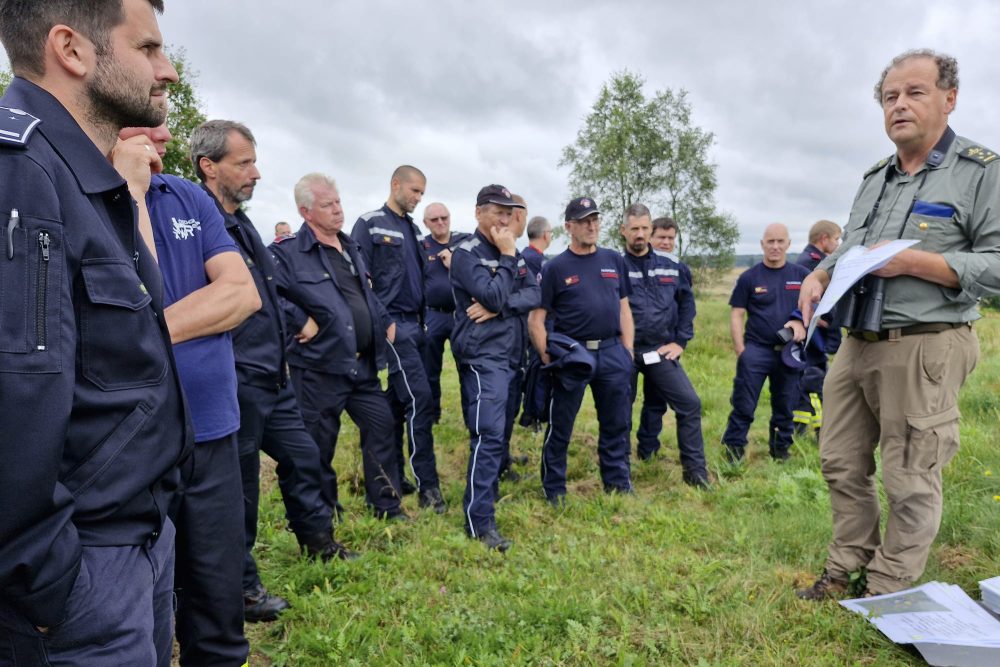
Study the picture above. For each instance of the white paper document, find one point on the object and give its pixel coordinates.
(940, 620)
(853, 265)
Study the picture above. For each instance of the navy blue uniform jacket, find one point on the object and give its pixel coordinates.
(92, 421)
(259, 341)
(382, 237)
(306, 280)
(501, 284)
(662, 302)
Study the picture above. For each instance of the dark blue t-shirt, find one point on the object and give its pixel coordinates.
(769, 296)
(583, 293)
(189, 230)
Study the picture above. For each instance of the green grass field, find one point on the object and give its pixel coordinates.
(671, 576)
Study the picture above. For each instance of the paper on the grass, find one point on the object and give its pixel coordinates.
(940, 620)
(852, 266)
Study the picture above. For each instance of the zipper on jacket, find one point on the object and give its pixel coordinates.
(41, 297)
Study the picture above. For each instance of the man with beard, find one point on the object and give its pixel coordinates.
(92, 419)
(225, 158)
(585, 290)
(663, 309)
(493, 290)
(390, 244)
(207, 292)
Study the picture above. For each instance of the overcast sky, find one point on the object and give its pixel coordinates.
(476, 93)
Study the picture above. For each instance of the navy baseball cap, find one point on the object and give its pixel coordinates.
(496, 194)
(580, 208)
(794, 355)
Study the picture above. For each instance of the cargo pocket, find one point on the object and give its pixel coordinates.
(931, 441)
(120, 341)
(104, 454)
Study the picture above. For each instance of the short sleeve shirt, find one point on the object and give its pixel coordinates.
(583, 293)
(769, 297)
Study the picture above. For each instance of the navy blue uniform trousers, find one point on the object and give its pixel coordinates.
(270, 421)
(757, 363)
(439, 326)
(485, 389)
(323, 397)
(410, 396)
(119, 612)
(210, 545)
(667, 383)
(610, 385)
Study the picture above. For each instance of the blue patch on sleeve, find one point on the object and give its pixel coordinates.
(935, 210)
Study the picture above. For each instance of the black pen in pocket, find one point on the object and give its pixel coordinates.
(12, 224)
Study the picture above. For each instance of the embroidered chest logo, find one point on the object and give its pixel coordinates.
(572, 280)
(760, 290)
(185, 229)
(609, 273)
(793, 285)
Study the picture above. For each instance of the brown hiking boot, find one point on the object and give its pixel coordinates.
(826, 587)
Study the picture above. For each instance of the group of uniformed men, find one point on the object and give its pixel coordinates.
(148, 335)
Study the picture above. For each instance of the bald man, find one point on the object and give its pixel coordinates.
(764, 301)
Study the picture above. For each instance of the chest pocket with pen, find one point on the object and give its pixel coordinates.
(935, 226)
(31, 281)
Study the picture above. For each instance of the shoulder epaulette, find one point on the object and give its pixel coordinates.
(672, 257)
(878, 165)
(979, 154)
(371, 214)
(469, 244)
(16, 126)
(282, 239)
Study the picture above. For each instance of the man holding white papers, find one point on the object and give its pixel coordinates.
(895, 381)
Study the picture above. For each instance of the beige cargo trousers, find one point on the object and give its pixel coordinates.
(900, 395)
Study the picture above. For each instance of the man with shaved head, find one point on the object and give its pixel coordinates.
(438, 247)
(390, 243)
(765, 298)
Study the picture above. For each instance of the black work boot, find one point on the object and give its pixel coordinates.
(698, 480)
(323, 546)
(259, 606)
(826, 587)
(494, 540)
(432, 498)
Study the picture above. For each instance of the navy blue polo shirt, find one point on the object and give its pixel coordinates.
(769, 296)
(437, 284)
(582, 293)
(189, 231)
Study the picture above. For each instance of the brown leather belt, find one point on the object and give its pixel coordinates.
(896, 334)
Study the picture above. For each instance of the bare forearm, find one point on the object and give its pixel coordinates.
(536, 330)
(213, 309)
(736, 329)
(628, 325)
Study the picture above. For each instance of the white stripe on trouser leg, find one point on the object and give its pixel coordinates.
(413, 413)
(475, 454)
(545, 443)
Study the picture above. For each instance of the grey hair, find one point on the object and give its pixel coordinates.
(947, 69)
(304, 197)
(537, 227)
(636, 211)
(211, 140)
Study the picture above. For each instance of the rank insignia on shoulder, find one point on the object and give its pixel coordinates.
(878, 165)
(16, 126)
(282, 239)
(815, 255)
(979, 154)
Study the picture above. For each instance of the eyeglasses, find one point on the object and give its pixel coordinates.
(439, 218)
